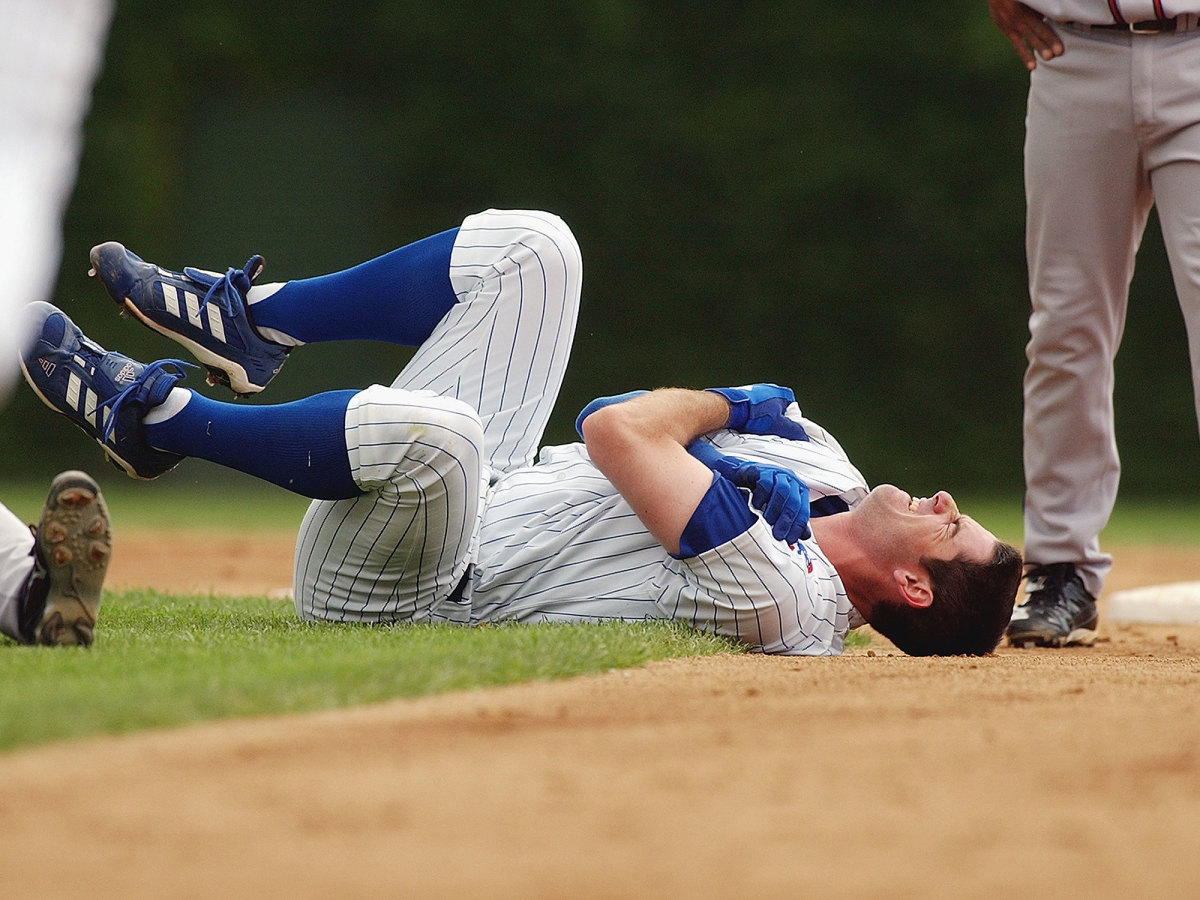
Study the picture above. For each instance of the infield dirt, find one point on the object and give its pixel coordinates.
(1029, 773)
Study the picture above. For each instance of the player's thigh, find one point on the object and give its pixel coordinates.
(375, 560)
(503, 348)
(1087, 192)
(397, 552)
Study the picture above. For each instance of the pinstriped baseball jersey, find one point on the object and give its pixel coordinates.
(820, 460)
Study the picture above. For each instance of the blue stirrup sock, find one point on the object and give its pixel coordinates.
(398, 297)
(300, 446)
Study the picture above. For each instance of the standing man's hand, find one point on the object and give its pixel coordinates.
(1026, 30)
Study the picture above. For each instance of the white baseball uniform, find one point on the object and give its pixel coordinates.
(1113, 127)
(16, 562)
(50, 51)
(460, 525)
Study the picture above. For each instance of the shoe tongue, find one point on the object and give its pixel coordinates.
(158, 385)
(54, 329)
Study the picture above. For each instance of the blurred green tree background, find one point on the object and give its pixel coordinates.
(827, 196)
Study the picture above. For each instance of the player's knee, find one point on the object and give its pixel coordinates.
(455, 429)
(397, 431)
(543, 244)
(441, 427)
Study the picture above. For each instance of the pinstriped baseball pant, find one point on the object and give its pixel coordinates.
(1113, 128)
(472, 402)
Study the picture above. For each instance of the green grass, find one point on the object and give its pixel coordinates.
(163, 661)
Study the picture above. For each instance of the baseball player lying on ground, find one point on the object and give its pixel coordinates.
(725, 509)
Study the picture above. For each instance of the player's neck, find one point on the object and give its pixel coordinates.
(860, 573)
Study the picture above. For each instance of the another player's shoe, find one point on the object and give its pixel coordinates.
(1057, 612)
(203, 311)
(104, 393)
(72, 547)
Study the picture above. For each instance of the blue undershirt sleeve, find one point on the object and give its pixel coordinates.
(721, 515)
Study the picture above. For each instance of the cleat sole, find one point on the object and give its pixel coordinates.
(75, 539)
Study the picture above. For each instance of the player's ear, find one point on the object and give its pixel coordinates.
(915, 586)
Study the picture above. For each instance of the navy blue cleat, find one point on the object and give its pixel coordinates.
(104, 393)
(203, 311)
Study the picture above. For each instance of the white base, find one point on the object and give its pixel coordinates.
(1160, 604)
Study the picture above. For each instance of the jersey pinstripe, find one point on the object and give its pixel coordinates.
(446, 458)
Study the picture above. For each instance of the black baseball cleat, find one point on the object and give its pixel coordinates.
(1057, 612)
(72, 547)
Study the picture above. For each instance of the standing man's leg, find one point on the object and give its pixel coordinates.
(1088, 200)
(1178, 186)
(1174, 163)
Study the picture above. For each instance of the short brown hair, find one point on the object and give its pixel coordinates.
(972, 606)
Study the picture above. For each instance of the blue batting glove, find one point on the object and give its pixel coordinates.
(761, 409)
(782, 498)
(600, 403)
(779, 494)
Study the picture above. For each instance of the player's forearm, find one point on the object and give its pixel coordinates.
(639, 445)
(674, 414)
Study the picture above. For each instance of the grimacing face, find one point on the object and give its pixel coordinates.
(904, 528)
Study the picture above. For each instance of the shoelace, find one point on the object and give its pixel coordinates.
(224, 288)
(114, 403)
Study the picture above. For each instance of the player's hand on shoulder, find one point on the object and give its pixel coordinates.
(779, 494)
(782, 498)
(762, 409)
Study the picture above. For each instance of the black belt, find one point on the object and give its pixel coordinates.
(1147, 26)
